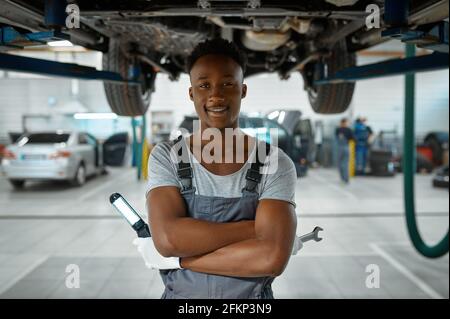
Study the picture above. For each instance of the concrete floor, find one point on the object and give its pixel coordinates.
(48, 226)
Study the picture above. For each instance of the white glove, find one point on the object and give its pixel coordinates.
(297, 245)
(152, 257)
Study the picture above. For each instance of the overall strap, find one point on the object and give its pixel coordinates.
(254, 176)
(184, 170)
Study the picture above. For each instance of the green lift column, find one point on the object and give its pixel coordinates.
(141, 148)
(409, 165)
(135, 143)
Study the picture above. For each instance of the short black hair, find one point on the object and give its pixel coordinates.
(217, 46)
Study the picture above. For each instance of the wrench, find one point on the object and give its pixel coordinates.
(314, 235)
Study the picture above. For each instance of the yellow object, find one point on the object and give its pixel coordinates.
(352, 158)
(145, 155)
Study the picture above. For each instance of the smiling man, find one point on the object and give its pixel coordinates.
(221, 229)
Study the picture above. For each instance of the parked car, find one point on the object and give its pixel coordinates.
(294, 135)
(310, 38)
(60, 155)
(441, 179)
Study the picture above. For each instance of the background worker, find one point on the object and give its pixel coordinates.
(361, 134)
(344, 135)
(370, 133)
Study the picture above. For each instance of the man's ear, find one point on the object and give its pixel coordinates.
(244, 90)
(191, 96)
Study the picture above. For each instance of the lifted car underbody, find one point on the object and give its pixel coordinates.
(277, 36)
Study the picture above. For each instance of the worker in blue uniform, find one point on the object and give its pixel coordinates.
(361, 133)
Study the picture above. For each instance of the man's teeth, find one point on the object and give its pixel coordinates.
(218, 110)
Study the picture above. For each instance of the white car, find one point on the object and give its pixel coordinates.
(60, 155)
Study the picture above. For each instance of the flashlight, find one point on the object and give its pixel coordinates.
(131, 216)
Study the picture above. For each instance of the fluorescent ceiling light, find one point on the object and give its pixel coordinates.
(282, 116)
(63, 43)
(95, 116)
(273, 115)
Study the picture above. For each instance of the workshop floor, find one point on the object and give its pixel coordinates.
(49, 226)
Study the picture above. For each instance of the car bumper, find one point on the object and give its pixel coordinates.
(53, 172)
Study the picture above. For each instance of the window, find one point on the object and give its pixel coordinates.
(82, 140)
(44, 138)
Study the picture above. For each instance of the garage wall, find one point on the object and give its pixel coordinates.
(382, 101)
(24, 96)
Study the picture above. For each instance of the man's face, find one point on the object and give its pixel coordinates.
(217, 89)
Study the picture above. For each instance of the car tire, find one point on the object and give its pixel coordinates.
(17, 183)
(124, 99)
(333, 98)
(80, 176)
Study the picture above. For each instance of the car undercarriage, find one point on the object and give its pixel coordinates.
(280, 37)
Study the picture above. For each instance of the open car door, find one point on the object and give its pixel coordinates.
(114, 149)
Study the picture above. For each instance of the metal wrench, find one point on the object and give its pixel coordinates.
(314, 235)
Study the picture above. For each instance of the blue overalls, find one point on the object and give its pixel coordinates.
(187, 284)
(361, 137)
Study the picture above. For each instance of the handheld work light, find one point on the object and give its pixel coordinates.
(131, 216)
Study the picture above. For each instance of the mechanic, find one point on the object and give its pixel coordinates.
(221, 229)
(370, 134)
(344, 135)
(362, 134)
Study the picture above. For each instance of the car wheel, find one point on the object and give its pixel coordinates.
(17, 183)
(332, 98)
(124, 99)
(80, 176)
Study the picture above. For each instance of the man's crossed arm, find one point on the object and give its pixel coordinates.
(242, 249)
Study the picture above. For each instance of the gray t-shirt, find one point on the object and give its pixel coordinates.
(278, 180)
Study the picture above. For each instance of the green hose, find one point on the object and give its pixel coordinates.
(409, 169)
